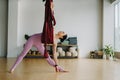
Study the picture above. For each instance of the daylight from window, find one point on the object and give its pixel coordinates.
(117, 27)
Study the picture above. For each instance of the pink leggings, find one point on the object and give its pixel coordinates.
(34, 40)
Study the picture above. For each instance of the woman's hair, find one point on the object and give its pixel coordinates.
(64, 37)
(43, 0)
(26, 36)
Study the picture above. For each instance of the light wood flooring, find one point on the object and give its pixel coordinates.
(79, 69)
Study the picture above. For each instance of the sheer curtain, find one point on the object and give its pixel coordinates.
(117, 27)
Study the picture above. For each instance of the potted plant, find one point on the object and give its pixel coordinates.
(108, 52)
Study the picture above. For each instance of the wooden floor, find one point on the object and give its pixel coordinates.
(79, 69)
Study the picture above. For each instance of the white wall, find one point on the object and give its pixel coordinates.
(3, 28)
(81, 18)
(30, 18)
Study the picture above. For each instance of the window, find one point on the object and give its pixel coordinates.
(117, 27)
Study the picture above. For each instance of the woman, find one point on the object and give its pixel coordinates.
(35, 40)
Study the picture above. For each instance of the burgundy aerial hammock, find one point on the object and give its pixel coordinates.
(49, 22)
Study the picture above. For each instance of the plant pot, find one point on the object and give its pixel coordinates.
(111, 58)
(107, 57)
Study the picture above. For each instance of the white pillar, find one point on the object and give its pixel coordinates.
(12, 28)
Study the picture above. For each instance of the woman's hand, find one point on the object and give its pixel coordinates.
(59, 69)
(52, 6)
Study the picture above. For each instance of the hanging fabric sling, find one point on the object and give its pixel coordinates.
(48, 30)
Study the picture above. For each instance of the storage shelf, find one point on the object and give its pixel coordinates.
(39, 56)
(62, 45)
(36, 54)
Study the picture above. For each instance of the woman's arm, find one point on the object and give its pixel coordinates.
(54, 54)
(52, 13)
(57, 67)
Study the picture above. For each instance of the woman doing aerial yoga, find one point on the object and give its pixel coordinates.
(40, 40)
